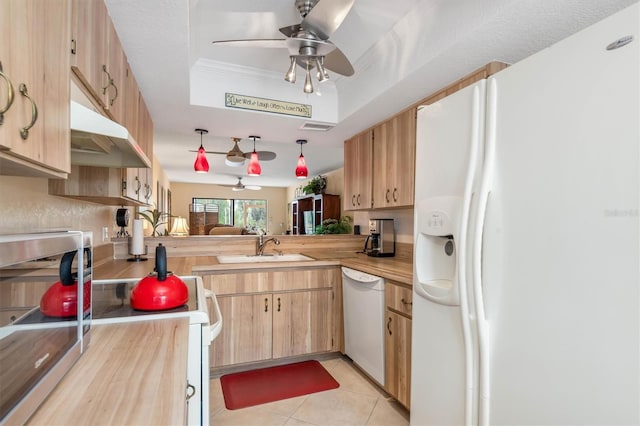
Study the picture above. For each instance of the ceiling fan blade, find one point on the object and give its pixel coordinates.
(337, 62)
(253, 42)
(253, 187)
(326, 16)
(262, 155)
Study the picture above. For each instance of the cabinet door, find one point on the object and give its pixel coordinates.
(113, 92)
(246, 330)
(394, 161)
(302, 322)
(398, 357)
(404, 158)
(383, 163)
(90, 48)
(358, 155)
(35, 39)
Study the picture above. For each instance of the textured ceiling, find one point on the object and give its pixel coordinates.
(401, 51)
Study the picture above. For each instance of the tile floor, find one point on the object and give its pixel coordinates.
(356, 402)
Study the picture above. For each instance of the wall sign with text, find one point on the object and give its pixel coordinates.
(232, 100)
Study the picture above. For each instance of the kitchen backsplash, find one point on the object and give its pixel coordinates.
(26, 206)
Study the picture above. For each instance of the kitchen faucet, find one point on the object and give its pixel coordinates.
(262, 243)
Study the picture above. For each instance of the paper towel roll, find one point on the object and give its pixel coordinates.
(137, 240)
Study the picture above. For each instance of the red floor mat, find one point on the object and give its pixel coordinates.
(275, 383)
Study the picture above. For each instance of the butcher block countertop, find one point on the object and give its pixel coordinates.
(131, 374)
(393, 268)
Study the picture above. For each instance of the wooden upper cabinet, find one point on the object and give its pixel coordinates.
(394, 152)
(114, 94)
(34, 133)
(89, 46)
(358, 155)
(98, 59)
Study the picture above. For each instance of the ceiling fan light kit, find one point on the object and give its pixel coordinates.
(308, 42)
(201, 164)
(301, 168)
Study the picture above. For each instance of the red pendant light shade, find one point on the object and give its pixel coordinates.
(254, 168)
(201, 165)
(301, 169)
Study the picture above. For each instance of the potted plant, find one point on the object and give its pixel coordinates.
(316, 185)
(334, 226)
(155, 219)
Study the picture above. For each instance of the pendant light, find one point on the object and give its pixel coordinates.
(201, 165)
(301, 170)
(254, 169)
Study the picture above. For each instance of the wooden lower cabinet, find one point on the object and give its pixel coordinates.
(246, 332)
(398, 357)
(275, 314)
(302, 323)
(399, 302)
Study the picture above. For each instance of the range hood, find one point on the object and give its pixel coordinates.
(98, 141)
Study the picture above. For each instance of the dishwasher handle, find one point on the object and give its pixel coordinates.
(359, 276)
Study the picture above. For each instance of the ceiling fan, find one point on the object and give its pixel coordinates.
(241, 187)
(308, 42)
(235, 157)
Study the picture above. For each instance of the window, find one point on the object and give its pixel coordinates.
(250, 214)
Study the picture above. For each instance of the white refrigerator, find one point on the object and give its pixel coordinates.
(526, 304)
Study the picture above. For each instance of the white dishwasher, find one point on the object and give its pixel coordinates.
(363, 302)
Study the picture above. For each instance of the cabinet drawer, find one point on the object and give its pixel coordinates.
(398, 297)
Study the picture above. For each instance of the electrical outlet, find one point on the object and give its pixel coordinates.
(105, 233)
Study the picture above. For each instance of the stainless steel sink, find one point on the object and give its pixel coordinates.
(247, 258)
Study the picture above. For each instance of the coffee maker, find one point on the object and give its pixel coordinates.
(381, 241)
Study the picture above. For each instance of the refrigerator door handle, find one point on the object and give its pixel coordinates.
(482, 325)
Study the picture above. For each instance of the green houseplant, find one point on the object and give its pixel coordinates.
(316, 185)
(155, 218)
(334, 226)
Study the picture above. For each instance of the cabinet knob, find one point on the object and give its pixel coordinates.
(358, 199)
(386, 196)
(389, 326)
(278, 304)
(395, 195)
(353, 200)
(266, 304)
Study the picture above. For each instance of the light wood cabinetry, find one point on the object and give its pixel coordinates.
(246, 332)
(398, 299)
(275, 314)
(102, 185)
(302, 322)
(358, 171)
(394, 156)
(97, 56)
(34, 88)
(139, 182)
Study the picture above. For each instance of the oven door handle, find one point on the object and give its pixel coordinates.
(216, 327)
